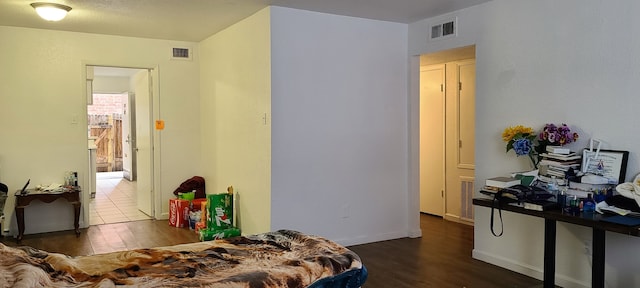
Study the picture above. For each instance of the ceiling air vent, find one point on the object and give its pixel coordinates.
(444, 30)
(181, 54)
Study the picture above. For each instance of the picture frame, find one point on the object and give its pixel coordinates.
(611, 164)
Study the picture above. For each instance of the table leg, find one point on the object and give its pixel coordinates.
(549, 253)
(597, 269)
(76, 218)
(20, 218)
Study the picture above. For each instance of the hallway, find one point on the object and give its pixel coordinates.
(115, 200)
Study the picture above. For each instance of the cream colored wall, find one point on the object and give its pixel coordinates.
(110, 84)
(43, 116)
(235, 86)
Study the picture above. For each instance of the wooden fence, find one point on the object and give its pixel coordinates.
(108, 132)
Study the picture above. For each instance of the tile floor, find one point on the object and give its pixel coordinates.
(115, 200)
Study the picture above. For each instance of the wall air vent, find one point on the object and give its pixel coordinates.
(445, 29)
(181, 54)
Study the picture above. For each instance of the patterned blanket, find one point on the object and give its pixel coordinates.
(277, 259)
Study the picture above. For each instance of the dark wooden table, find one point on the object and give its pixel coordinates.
(23, 200)
(593, 220)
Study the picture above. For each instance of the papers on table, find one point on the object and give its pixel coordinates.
(603, 207)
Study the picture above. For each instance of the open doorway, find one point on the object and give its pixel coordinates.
(119, 127)
(447, 140)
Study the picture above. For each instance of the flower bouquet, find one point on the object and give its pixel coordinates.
(521, 140)
(524, 141)
(553, 135)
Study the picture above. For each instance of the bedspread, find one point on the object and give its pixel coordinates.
(283, 258)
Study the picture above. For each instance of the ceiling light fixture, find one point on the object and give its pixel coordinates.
(51, 11)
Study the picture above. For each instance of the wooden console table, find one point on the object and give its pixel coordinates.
(23, 200)
(593, 220)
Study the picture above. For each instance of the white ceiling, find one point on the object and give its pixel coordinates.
(195, 20)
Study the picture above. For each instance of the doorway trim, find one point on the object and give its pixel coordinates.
(414, 147)
(414, 136)
(155, 136)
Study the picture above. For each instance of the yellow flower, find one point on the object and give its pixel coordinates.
(512, 131)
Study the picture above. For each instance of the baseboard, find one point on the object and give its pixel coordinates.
(528, 270)
(531, 271)
(457, 219)
(415, 233)
(372, 238)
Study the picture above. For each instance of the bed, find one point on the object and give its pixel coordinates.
(282, 258)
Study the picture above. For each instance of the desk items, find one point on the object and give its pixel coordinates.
(558, 165)
(540, 205)
(53, 187)
(558, 150)
(630, 190)
(24, 188)
(71, 178)
(502, 182)
(604, 164)
(617, 205)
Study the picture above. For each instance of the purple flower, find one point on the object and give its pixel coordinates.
(557, 135)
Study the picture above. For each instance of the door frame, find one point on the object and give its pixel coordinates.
(414, 136)
(155, 137)
(131, 122)
(142, 191)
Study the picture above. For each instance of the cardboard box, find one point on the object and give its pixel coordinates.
(197, 204)
(219, 211)
(210, 234)
(200, 226)
(203, 214)
(178, 212)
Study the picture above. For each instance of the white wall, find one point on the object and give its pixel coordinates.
(43, 120)
(236, 98)
(339, 137)
(550, 62)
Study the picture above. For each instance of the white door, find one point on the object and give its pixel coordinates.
(459, 131)
(432, 139)
(466, 114)
(127, 138)
(144, 142)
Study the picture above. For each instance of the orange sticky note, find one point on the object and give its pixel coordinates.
(159, 124)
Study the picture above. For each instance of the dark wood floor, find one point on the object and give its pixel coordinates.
(441, 258)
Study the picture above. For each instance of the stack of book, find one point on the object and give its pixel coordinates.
(556, 162)
(502, 182)
(493, 185)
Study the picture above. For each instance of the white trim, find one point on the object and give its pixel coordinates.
(373, 238)
(531, 271)
(155, 142)
(413, 121)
